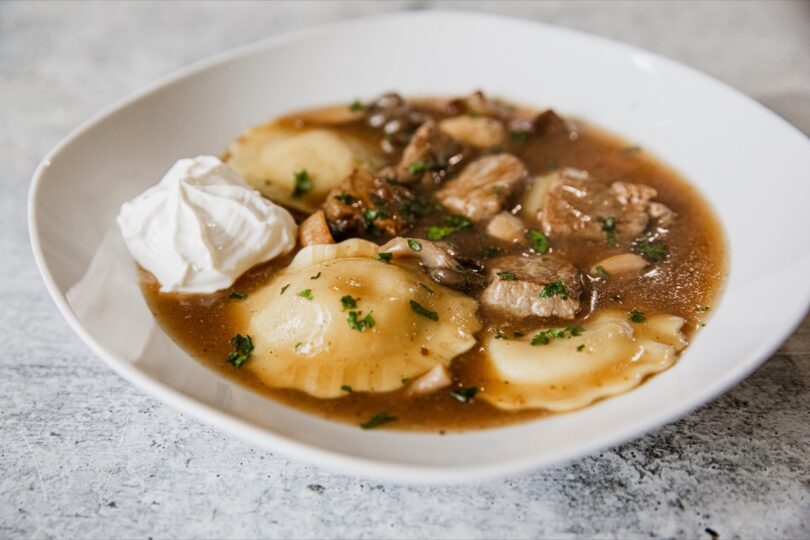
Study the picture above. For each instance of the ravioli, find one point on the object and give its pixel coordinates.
(609, 357)
(269, 157)
(337, 318)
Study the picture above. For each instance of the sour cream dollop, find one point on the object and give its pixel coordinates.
(203, 226)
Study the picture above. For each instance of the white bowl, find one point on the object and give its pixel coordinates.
(751, 165)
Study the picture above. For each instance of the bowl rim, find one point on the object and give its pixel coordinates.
(333, 460)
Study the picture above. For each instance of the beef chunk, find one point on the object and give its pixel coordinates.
(580, 206)
(430, 153)
(368, 205)
(483, 186)
(532, 286)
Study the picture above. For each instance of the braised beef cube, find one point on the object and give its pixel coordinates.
(532, 286)
(484, 186)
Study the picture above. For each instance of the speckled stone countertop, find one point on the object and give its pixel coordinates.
(85, 454)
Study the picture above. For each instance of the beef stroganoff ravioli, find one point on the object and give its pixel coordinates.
(338, 317)
(561, 369)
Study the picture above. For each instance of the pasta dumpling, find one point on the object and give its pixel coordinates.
(609, 356)
(269, 157)
(337, 318)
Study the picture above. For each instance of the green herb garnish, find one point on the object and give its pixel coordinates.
(508, 276)
(601, 272)
(242, 349)
(464, 395)
(345, 198)
(637, 316)
(356, 323)
(652, 251)
(454, 224)
(580, 348)
(425, 312)
(385, 257)
(555, 288)
(499, 334)
(609, 228)
(348, 302)
(414, 245)
(428, 289)
(545, 337)
(306, 293)
(519, 136)
(316, 276)
(303, 183)
(368, 218)
(416, 167)
(346, 388)
(489, 251)
(238, 295)
(356, 106)
(519, 334)
(538, 240)
(702, 309)
(284, 288)
(377, 420)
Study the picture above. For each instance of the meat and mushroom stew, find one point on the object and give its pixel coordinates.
(461, 263)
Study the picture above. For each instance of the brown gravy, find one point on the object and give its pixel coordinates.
(687, 280)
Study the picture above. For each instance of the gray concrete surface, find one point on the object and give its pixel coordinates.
(84, 454)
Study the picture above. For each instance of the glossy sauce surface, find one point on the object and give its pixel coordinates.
(685, 283)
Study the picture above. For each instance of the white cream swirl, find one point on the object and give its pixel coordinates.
(202, 227)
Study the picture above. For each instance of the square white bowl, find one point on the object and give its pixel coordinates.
(752, 166)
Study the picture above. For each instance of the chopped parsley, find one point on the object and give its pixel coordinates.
(466, 394)
(405, 380)
(601, 272)
(489, 251)
(346, 388)
(581, 348)
(454, 224)
(306, 293)
(242, 349)
(303, 183)
(519, 334)
(356, 323)
(356, 106)
(609, 228)
(417, 167)
(368, 218)
(538, 240)
(348, 302)
(508, 276)
(238, 295)
(702, 309)
(650, 250)
(499, 334)
(284, 288)
(345, 198)
(545, 337)
(385, 257)
(428, 289)
(519, 136)
(637, 316)
(298, 346)
(378, 419)
(316, 276)
(422, 310)
(414, 244)
(555, 288)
